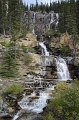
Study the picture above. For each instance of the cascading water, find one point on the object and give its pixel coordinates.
(36, 103)
(44, 49)
(62, 69)
(44, 58)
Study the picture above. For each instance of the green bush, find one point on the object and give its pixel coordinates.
(23, 47)
(3, 44)
(48, 116)
(30, 49)
(27, 49)
(65, 104)
(14, 89)
(64, 49)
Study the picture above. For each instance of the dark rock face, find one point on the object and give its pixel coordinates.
(39, 22)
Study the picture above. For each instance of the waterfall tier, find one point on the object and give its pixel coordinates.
(62, 69)
(44, 49)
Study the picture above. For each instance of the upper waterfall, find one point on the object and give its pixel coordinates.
(62, 69)
(44, 49)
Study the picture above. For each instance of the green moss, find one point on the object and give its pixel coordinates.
(14, 89)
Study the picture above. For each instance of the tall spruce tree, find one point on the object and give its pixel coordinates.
(14, 17)
(4, 16)
(61, 25)
(9, 64)
(77, 12)
(0, 16)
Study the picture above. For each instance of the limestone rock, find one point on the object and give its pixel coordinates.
(11, 110)
(64, 39)
(34, 66)
(40, 22)
(29, 41)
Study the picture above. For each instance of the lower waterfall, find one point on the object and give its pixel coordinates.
(62, 69)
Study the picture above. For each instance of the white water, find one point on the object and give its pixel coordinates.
(62, 69)
(36, 105)
(44, 49)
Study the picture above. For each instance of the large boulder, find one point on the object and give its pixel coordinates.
(29, 41)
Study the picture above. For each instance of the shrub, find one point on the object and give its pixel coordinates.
(24, 48)
(27, 49)
(48, 116)
(65, 104)
(64, 49)
(3, 44)
(28, 60)
(0, 88)
(14, 89)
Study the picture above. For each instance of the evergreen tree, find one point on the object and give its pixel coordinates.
(4, 15)
(47, 8)
(61, 24)
(0, 16)
(73, 20)
(77, 12)
(23, 29)
(9, 64)
(36, 5)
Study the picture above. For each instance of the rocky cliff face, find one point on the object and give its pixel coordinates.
(39, 22)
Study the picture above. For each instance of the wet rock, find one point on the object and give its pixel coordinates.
(11, 110)
(30, 116)
(1, 102)
(5, 115)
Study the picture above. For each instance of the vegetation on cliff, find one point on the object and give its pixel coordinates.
(14, 89)
(65, 103)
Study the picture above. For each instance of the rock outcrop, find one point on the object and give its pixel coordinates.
(39, 22)
(64, 40)
(29, 41)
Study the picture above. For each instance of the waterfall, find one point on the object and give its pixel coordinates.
(62, 69)
(44, 49)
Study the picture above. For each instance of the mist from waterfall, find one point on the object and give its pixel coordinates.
(44, 49)
(62, 69)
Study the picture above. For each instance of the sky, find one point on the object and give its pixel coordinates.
(39, 1)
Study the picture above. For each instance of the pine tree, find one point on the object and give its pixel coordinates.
(23, 30)
(74, 29)
(9, 64)
(0, 16)
(4, 15)
(61, 25)
(77, 12)
(36, 5)
(68, 18)
(47, 8)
